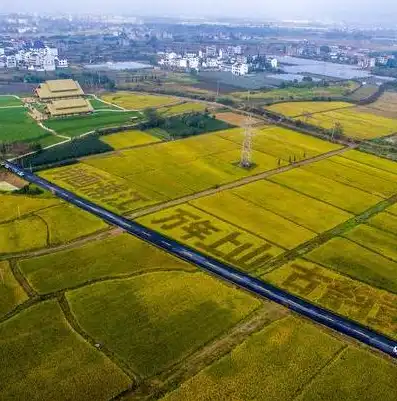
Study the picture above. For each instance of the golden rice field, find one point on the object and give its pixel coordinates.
(28, 223)
(334, 290)
(11, 292)
(319, 187)
(287, 358)
(212, 236)
(178, 168)
(384, 221)
(254, 218)
(305, 211)
(357, 175)
(355, 124)
(183, 108)
(128, 139)
(118, 256)
(372, 161)
(135, 101)
(155, 320)
(295, 109)
(43, 358)
(108, 190)
(359, 262)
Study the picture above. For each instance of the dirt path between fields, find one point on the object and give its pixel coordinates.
(238, 183)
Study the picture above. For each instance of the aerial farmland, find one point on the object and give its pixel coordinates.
(114, 317)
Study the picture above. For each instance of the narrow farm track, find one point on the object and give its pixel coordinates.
(221, 270)
(238, 183)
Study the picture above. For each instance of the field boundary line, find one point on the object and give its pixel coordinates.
(327, 364)
(22, 280)
(351, 106)
(326, 236)
(75, 326)
(48, 240)
(69, 245)
(234, 184)
(109, 103)
(127, 276)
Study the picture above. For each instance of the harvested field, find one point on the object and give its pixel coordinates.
(154, 333)
(351, 298)
(43, 340)
(237, 119)
(128, 139)
(386, 103)
(117, 256)
(134, 101)
(360, 263)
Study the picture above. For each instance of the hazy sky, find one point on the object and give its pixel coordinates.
(355, 10)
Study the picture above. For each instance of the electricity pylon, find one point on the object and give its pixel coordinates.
(246, 151)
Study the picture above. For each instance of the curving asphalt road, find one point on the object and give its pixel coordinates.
(226, 272)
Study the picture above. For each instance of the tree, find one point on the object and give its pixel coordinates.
(338, 130)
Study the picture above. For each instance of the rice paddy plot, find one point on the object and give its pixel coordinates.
(360, 263)
(128, 139)
(78, 125)
(368, 181)
(386, 105)
(371, 160)
(11, 293)
(66, 223)
(135, 101)
(107, 190)
(17, 126)
(212, 236)
(393, 209)
(356, 124)
(274, 364)
(340, 195)
(334, 291)
(44, 359)
(23, 234)
(117, 256)
(374, 239)
(295, 109)
(255, 219)
(365, 168)
(356, 375)
(183, 108)
(305, 211)
(155, 334)
(15, 206)
(281, 142)
(384, 221)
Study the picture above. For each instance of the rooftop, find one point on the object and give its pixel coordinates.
(61, 88)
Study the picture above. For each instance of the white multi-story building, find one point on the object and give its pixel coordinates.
(210, 51)
(240, 69)
(194, 63)
(11, 62)
(274, 63)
